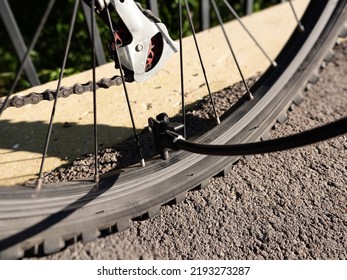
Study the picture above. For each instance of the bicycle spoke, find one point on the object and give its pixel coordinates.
(200, 59)
(49, 132)
(300, 26)
(181, 68)
(96, 175)
(31, 47)
(250, 95)
(125, 89)
(232, 10)
(30, 219)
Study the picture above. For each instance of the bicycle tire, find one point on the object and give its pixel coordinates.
(45, 222)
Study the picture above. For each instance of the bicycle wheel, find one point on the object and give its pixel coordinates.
(45, 221)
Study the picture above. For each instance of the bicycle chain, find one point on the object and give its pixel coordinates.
(64, 92)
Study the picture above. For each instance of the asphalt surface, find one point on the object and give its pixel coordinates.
(288, 205)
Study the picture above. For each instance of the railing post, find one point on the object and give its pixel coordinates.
(99, 50)
(205, 19)
(17, 41)
(249, 7)
(153, 6)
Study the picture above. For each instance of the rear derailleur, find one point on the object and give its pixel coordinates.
(141, 43)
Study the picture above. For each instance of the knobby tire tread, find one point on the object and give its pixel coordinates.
(45, 222)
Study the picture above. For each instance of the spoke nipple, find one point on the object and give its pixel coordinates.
(39, 184)
(301, 28)
(274, 63)
(250, 96)
(96, 178)
(218, 120)
(143, 163)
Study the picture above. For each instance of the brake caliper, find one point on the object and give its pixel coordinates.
(143, 44)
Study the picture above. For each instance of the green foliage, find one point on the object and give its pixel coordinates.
(49, 51)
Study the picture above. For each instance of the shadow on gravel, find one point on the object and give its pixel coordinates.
(68, 140)
(74, 144)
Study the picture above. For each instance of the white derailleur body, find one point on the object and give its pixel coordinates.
(150, 45)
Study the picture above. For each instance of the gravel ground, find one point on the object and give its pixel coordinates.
(288, 205)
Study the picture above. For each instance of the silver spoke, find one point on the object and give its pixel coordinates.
(49, 132)
(250, 95)
(181, 68)
(96, 165)
(31, 47)
(232, 10)
(300, 26)
(201, 61)
(125, 89)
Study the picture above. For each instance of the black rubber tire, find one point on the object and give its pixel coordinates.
(45, 222)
